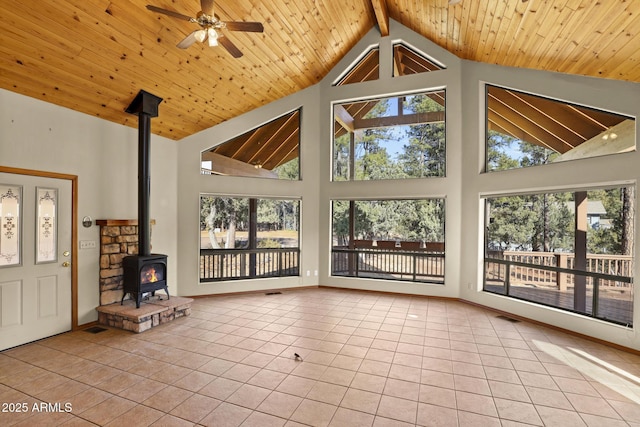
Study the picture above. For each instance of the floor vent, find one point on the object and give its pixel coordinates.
(95, 330)
(508, 319)
(273, 293)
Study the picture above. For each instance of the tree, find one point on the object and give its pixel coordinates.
(497, 147)
(511, 224)
(224, 213)
(424, 154)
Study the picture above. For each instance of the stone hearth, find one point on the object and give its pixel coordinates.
(152, 313)
(118, 239)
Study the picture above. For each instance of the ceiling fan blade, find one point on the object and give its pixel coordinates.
(169, 12)
(207, 7)
(255, 27)
(227, 44)
(188, 41)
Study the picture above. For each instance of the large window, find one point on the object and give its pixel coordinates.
(570, 250)
(390, 138)
(268, 151)
(248, 237)
(389, 239)
(527, 130)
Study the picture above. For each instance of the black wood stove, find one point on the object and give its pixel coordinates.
(146, 272)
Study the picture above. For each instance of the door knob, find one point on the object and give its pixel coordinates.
(66, 264)
(66, 253)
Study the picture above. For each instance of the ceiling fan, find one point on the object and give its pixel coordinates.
(211, 25)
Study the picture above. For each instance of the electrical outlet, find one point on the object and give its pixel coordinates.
(87, 244)
(315, 272)
(308, 273)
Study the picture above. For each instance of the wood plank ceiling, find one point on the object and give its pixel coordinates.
(94, 55)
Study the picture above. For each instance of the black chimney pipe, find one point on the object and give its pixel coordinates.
(145, 106)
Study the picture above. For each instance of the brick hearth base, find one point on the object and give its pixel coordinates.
(152, 313)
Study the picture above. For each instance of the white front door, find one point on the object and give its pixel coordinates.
(35, 258)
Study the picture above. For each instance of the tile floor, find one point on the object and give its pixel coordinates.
(368, 359)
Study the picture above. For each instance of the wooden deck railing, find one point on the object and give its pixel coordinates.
(614, 265)
(229, 264)
(413, 261)
(604, 296)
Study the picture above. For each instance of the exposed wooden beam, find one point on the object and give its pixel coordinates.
(406, 119)
(382, 16)
(343, 117)
(223, 165)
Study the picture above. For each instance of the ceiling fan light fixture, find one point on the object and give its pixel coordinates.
(200, 35)
(213, 37)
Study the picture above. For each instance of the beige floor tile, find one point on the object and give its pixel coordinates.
(258, 419)
(297, 386)
(388, 422)
(438, 379)
(168, 398)
(226, 415)
(361, 400)
(629, 411)
(171, 421)
(432, 415)
(314, 413)
(596, 421)
(502, 374)
(194, 381)
(538, 380)
(349, 418)
(402, 389)
(327, 393)
(108, 410)
(478, 420)
(517, 411)
(476, 403)
(337, 376)
(195, 408)
(437, 396)
(280, 404)
(559, 417)
(346, 362)
(249, 396)
(570, 385)
(140, 416)
(398, 409)
(509, 391)
(375, 368)
(240, 372)
(368, 382)
(368, 359)
(267, 379)
(220, 388)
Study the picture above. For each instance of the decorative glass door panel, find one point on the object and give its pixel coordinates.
(10, 225)
(47, 225)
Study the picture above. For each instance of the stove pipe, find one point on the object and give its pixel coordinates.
(145, 106)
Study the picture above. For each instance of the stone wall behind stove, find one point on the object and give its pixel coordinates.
(118, 239)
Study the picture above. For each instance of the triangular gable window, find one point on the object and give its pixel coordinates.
(269, 151)
(408, 61)
(365, 69)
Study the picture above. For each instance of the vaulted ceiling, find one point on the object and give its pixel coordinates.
(93, 56)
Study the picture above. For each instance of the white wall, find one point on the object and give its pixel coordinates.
(41, 136)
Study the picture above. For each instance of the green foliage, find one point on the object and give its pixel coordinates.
(417, 151)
